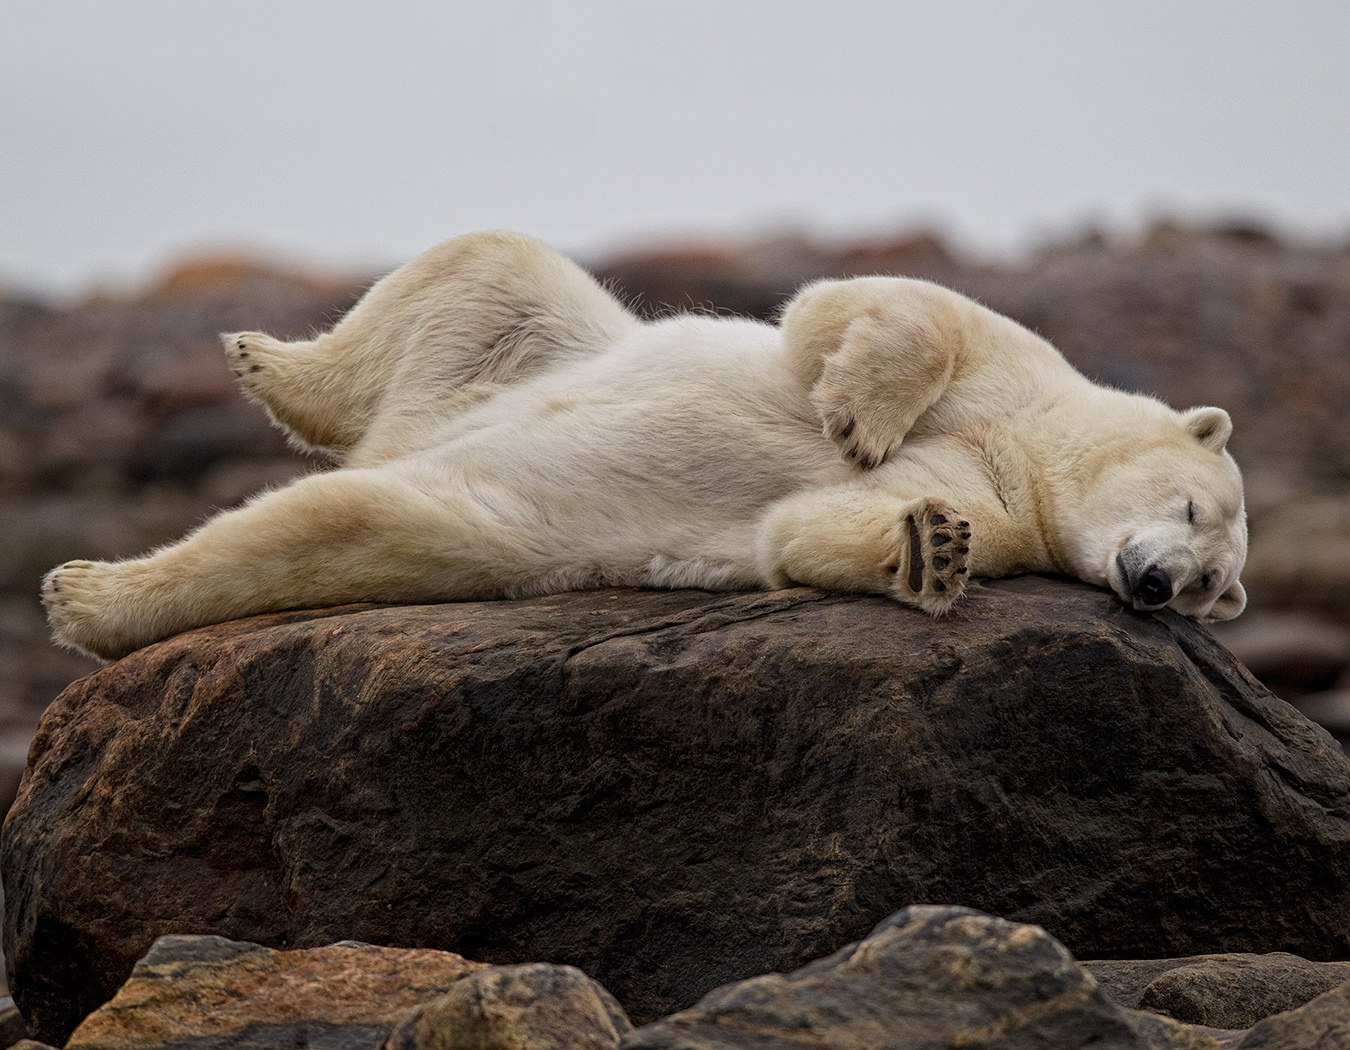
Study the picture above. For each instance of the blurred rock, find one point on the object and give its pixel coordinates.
(1323, 1024)
(1291, 652)
(1300, 553)
(1236, 991)
(1331, 709)
(12, 1028)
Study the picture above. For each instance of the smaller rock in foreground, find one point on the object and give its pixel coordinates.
(537, 1006)
(209, 992)
(927, 977)
(1323, 1024)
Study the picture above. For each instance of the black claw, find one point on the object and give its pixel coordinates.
(965, 535)
(961, 571)
(963, 524)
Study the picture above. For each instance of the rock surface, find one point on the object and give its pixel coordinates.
(671, 790)
(531, 1007)
(1222, 991)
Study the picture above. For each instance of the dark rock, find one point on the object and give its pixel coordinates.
(928, 978)
(671, 790)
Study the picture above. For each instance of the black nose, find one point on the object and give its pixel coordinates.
(1153, 588)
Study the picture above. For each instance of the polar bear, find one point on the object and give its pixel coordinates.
(505, 427)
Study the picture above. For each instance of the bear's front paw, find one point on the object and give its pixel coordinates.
(866, 429)
(933, 560)
(857, 442)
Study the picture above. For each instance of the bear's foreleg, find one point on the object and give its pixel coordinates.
(328, 539)
(877, 352)
(917, 551)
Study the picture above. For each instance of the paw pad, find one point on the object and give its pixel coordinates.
(936, 561)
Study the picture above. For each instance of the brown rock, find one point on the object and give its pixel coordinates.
(929, 978)
(1236, 991)
(671, 790)
(203, 992)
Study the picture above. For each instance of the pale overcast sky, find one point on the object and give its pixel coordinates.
(358, 134)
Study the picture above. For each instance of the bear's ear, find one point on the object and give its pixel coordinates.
(1229, 603)
(1210, 426)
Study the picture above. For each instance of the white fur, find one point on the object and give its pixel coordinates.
(506, 428)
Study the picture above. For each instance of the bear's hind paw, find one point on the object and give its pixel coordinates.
(935, 562)
(253, 358)
(78, 602)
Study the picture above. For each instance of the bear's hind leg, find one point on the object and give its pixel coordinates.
(287, 380)
(426, 341)
(328, 539)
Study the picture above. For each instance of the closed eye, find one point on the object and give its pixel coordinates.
(1190, 513)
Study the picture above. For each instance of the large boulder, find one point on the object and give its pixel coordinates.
(671, 790)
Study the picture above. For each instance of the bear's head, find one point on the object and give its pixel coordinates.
(1165, 523)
